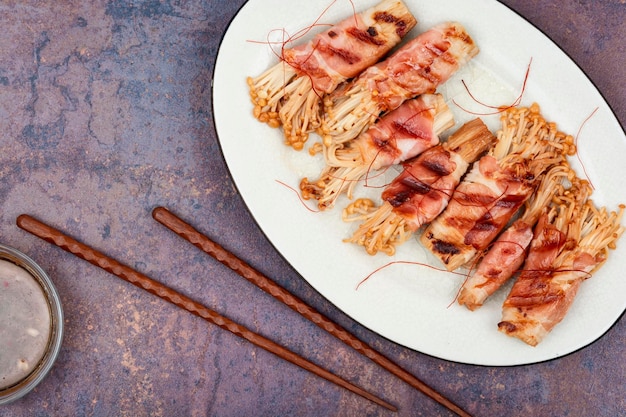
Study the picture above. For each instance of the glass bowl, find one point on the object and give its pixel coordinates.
(42, 345)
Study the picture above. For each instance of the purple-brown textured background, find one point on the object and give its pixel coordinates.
(105, 110)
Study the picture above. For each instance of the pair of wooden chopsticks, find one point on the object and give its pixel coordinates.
(101, 260)
(201, 241)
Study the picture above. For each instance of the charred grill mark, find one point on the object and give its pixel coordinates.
(507, 204)
(401, 28)
(507, 251)
(408, 130)
(429, 77)
(461, 35)
(399, 198)
(507, 326)
(459, 222)
(535, 301)
(437, 49)
(485, 225)
(473, 237)
(473, 199)
(365, 36)
(415, 185)
(441, 51)
(343, 54)
(418, 187)
(445, 248)
(379, 142)
(493, 272)
(437, 167)
(411, 186)
(385, 17)
(511, 201)
(401, 25)
(537, 290)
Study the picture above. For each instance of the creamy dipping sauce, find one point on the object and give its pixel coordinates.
(25, 323)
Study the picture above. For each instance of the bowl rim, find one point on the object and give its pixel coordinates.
(27, 384)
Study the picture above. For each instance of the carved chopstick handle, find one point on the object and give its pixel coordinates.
(124, 272)
(189, 233)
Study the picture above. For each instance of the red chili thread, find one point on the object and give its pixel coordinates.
(378, 174)
(498, 109)
(576, 144)
(286, 38)
(552, 272)
(297, 35)
(387, 265)
(298, 195)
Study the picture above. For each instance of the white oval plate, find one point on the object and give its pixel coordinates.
(409, 304)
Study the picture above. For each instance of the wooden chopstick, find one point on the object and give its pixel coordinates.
(187, 232)
(83, 251)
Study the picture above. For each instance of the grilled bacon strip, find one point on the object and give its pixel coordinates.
(508, 252)
(418, 67)
(497, 186)
(480, 207)
(420, 192)
(400, 135)
(569, 245)
(290, 93)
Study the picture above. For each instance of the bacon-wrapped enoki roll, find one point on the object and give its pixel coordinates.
(508, 252)
(399, 135)
(420, 193)
(418, 67)
(497, 186)
(290, 93)
(569, 244)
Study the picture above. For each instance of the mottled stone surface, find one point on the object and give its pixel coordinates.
(106, 113)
